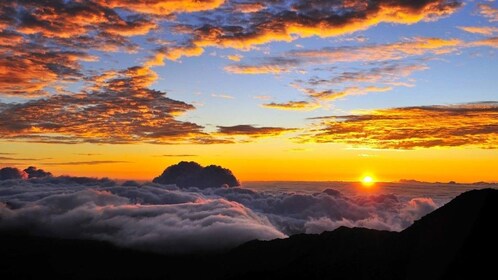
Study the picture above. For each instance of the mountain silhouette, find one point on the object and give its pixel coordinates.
(453, 242)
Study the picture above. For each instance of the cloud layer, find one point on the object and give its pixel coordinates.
(166, 219)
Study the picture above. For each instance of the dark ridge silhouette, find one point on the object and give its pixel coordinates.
(34, 172)
(453, 242)
(191, 174)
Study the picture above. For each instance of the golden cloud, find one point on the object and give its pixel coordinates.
(468, 125)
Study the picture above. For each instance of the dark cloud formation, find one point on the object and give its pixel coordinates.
(282, 21)
(165, 218)
(8, 173)
(43, 42)
(474, 124)
(191, 174)
(34, 172)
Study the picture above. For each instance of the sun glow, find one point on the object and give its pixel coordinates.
(368, 181)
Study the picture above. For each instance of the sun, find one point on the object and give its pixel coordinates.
(368, 181)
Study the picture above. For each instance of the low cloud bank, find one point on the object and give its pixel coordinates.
(170, 219)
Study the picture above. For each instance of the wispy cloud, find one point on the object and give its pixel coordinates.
(252, 131)
(177, 155)
(224, 96)
(92, 162)
(293, 105)
(488, 11)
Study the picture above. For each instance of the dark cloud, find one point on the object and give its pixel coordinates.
(192, 174)
(253, 131)
(8, 173)
(287, 21)
(473, 125)
(34, 172)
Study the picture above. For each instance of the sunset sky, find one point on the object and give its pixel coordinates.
(274, 90)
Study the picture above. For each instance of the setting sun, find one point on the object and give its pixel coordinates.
(367, 181)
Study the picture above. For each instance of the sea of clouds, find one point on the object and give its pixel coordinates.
(167, 219)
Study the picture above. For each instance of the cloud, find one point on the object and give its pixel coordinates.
(482, 30)
(248, 7)
(313, 18)
(293, 105)
(161, 7)
(166, 219)
(93, 162)
(488, 11)
(386, 74)
(34, 172)
(9, 173)
(27, 70)
(191, 174)
(235, 57)
(252, 131)
(21, 159)
(178, 155)
(117, 108)
(467, 125)
(488, 42)
(353, 83)
(366, 53)
(224, 96)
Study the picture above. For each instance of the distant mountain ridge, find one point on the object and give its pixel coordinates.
(449, 243)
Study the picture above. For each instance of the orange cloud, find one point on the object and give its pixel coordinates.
(317, 18)
(163, 7)
(488, 11)
(119, 109)
(328, 95)
(468, 125)
(488, 42)
(26, 70)
(261, 69)
(235, 57)
(249, 7)
(293, 105)
(483, 30)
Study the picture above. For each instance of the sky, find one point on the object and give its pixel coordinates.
(274, 90)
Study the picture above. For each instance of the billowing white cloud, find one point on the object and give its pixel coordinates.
(167, 219)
